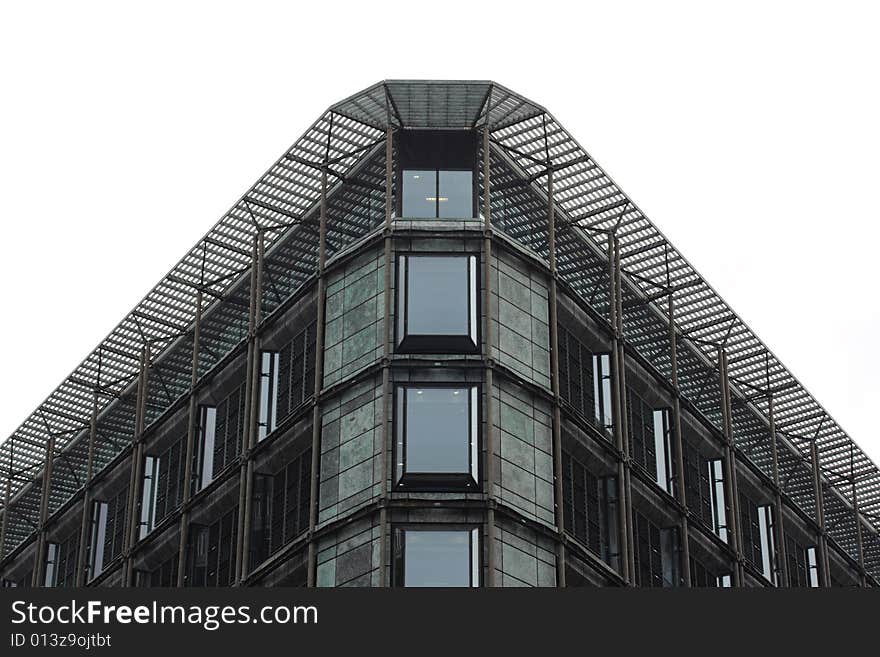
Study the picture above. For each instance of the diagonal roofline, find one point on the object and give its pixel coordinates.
(584, 196)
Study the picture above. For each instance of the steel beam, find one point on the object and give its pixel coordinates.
(39, 556)
(824, 571)
(554, 383)
(6, 497)
(192, 429)
(387, 392)
(488, 476)
(778, 509)
(860, 547)
(730, 475)
(678, 481)
(82, 567)
(249, 439)
(137, 466)
(312, 558)
(621, 439)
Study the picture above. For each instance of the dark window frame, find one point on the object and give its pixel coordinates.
(437, 171)
(439, 150)
(398, 534)
(267, 402)
(204, 452)
(437, 344)
(439, 482)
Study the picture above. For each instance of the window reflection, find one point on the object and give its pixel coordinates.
(438, 558)
(437, 304)
(438, 193)
(436, 436)
(419, 194)
(456, 199)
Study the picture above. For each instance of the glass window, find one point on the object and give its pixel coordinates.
(437, 304)
(768, 547)
(438, 193)
(662, 448)
(716, 492)
(435, 557)
(437, 436)
(419, 194)
(669, 556)
(148, 498)
(268, 387)
(51, 564)
(99, 537)
(204, 471)
(589, 508)
(456, 194)
(602, 390)
(813, 566)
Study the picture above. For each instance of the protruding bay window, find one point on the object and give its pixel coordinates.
(437, 437)
(437, 306)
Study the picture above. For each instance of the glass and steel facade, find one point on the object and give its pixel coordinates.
(445, 350)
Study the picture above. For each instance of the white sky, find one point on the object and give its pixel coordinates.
(750, 137)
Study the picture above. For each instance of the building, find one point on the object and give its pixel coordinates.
(435, 344)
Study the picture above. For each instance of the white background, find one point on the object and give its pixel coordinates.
(748, 132)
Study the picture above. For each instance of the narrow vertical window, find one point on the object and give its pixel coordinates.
(768, 546)
(669, 556)
(813, 565)
(98, 538)
(437, 309)
(148, 496)
(203, 473)
(437, 557)
(719, 508)
(420, 194)
(51, 564)
(602, 390)
(268, 386)
(662, 448)
(610, 547)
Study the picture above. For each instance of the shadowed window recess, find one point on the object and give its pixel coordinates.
(203, 469)
(437, 437)
(437, 304)
(268, 417)
(437, 174)
(437, 557)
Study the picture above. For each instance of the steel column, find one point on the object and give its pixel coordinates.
(39, 557)
(191, 429)
(554, 383)
(824, 571)
(618, 391)
(860, 548)
(778, 509)
(731, 492)
(84, 534)
(487, 355)
(319, 382)
(678, 480)
(137, 465)
(6, 497)
(387, 399)
(249, 439)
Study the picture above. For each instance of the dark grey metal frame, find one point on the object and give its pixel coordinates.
(62, 447)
